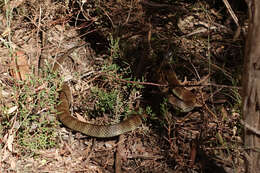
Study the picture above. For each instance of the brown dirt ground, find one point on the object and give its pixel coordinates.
(207, 53)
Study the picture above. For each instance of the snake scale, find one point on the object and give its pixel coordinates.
(131, 123)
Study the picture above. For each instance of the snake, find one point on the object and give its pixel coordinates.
(98, 131)
(127, 125)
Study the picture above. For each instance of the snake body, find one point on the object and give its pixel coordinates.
(100, 131)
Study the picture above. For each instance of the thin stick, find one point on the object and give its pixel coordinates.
(231, 12)
(159, 85)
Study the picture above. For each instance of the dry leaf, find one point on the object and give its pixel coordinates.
(12, 162)
(10, 142)
(12, 109)
(3, 93)
(224, 113)
(80, 118)
(19, 66)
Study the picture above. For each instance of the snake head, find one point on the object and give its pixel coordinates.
(183, 99)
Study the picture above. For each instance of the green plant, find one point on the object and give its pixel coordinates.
(114, 47)
(107, 102)
(149, 112)
(35, 99)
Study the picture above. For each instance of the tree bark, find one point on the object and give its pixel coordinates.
(251, 89)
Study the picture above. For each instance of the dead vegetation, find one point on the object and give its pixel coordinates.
(114, 74)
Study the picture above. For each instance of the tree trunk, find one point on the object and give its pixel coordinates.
(251, 89)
